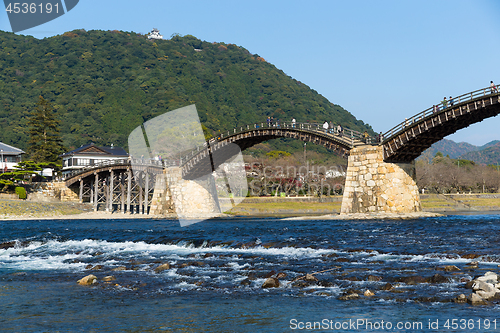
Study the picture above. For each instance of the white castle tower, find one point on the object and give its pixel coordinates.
(155, 34)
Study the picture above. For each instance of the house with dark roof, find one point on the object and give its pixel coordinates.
(90, 154)
(9, 157)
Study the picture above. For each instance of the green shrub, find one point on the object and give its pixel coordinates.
(21, 192)
(6, 185)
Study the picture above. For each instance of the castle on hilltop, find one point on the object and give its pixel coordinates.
(155, 34)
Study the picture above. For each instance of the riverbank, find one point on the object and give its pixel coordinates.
(368, 216)
(15, 208)
(303, 206)
(325, 208)
(29, 210)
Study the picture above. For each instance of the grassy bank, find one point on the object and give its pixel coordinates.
(436, 202)
(22, 208)
(285, 208)
(461, 202)
(430, 202)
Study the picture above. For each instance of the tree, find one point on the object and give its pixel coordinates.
(24, 171)
(45, 143)
(206, 132)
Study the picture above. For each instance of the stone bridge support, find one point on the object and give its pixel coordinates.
(373, 185)
(185, 198)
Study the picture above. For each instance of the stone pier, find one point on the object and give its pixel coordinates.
(186, 198)
(373, 185)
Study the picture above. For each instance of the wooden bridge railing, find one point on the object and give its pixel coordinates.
(116, 162)
(437, 109)
(347, 135)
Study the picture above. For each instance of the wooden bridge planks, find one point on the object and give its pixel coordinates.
(409, 144)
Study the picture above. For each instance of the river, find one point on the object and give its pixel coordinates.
(218, 267)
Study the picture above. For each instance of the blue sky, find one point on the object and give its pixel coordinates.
(381, 60)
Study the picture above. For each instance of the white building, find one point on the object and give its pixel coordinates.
(9, 157)
(89, 155)
(155, 34)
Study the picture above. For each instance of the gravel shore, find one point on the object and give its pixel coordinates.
(22, 210)
(367, 216)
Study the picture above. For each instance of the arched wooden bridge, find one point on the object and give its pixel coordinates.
(112, 182)
(204, 161)
(128, 184)
(407, 140)
(403, 143)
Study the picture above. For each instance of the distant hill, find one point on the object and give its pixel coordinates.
(451, 148)
(486, 154)
(489, 144)
(103, 84)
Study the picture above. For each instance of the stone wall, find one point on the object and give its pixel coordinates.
(53, 192)
(186, 198)
(161, 204)
(8, 196)
(373, 185)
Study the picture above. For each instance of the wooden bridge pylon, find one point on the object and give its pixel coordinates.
(117, 187)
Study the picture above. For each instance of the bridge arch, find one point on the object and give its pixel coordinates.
(407, 140)
(124, 183)
(247, 136)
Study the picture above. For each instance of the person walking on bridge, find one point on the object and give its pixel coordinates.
(493, 87)
(293, 122)
(366, 136)
(339, 130)
(445, 103)
(325, 126)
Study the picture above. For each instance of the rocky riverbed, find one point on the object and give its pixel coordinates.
(356, 284)
(392, 269)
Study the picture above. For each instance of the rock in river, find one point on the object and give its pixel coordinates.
(7, 245)
(484, 289)
(449, 268)
(412, 280)
(438, 278)
(311, 278)
(460, 299)
(368, 293)
(162, 268)
(475, 299)
(349, 297)
(88, 280)
(271, 283)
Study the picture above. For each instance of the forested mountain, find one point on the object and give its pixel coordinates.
(105, 83)
(486, 154)
(450, 148)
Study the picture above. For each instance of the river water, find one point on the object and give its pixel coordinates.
(218, 267)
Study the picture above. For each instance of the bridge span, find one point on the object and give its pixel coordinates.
(339, 142)
(380, 174)
(408, 139)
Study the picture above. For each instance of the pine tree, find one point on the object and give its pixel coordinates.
(45, 143)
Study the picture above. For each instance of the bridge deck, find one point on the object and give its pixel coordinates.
(409, 139)
(403, 143)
